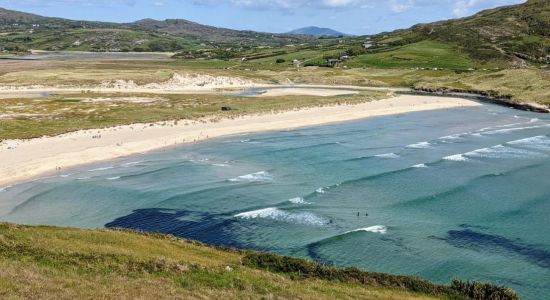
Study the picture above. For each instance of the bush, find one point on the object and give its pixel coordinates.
(280, 61)
(476, 290)
(301, 268)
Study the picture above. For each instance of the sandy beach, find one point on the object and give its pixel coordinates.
(24, 159)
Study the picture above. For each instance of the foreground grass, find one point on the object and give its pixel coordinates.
(62, 263)
(53, 115)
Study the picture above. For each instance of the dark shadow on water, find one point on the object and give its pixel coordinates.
(477, 241)
(199, 226)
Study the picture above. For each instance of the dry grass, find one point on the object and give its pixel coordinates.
(524, 85)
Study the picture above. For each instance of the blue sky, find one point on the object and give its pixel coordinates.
(349, 16)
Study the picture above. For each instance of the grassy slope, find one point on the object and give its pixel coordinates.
(59, 263)
(424, 54)
(499, 34)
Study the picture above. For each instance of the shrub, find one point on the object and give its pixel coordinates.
(301, 269)
(476, 290)
(280, 61)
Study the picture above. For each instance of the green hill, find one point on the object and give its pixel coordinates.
(511, 33)
(61, 263)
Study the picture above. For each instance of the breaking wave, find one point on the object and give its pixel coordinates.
(320, 190)
(501, 151)
(387, 155)
(272, 213)
(298, 200)
(456, 157)
(453, 136)
(538, 142)
(261, 176)
(507, 130)
(420, 145)
(375, 229)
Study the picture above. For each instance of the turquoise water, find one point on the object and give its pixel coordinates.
(442, 194)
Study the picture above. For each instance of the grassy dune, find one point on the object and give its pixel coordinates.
(61, 263)
(56, 114)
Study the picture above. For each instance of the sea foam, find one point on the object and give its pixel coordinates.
(538, 142)
(272, 213)
(456, 157)
(5, 188)
(501, 151)
(420, 166)
(101, 169)
(132, 163)
(298, 200)
(261, 176)
(388, 155)
(420, 145)
(453, 136)
(320, 191)
(375, 229)
(507, 130)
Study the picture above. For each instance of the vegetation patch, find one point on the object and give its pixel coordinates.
(65, 263)
(301, 269)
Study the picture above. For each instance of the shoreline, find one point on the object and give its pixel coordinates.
(21, 160)
(487, 97)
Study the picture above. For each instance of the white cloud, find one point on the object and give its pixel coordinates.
(464, 8)
(97, 3)
(401, 6)
(394, 5)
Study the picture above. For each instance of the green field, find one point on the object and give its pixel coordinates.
(425, 54)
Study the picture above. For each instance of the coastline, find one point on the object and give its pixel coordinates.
(24, 159)
(488, 97)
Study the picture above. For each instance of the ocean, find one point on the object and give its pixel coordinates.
(455, 193)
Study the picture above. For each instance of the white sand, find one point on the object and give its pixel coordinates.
(178, 83)
(22, 159)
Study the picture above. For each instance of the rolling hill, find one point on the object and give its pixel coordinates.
(20, 31)
(317, 31)
(180, 27)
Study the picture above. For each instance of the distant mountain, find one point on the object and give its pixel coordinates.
(11, 19)
(15, 21)
(317, 31)
(181, 27)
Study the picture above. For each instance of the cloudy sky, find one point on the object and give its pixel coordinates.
(349, 16)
